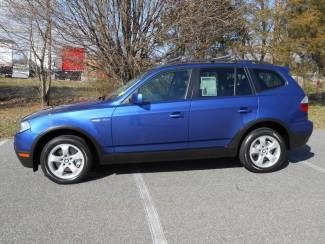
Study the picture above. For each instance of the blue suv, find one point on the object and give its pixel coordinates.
(255, 112)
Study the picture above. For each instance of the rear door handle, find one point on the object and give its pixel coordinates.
(176, 115)
(244, 110)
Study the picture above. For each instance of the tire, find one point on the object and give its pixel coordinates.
(263, 150)
(66, 159)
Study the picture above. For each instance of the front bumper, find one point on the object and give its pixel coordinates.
(26, 162)
(22, 156)
(23, 148)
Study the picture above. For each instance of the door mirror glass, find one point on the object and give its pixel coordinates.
(136, 98)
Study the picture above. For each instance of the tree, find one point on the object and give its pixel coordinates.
(34, 20)
(280, 48)
(306, 31)
(121, 36)
(201, 28)
(306, 37)
(256, 42)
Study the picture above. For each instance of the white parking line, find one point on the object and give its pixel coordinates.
(313, 166)
(3, 142)
(156, 230)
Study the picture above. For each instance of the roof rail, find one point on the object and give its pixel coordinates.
(221, 59)
(226, 58)
(180, 60)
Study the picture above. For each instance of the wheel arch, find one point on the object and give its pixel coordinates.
(276, 125)
(49, 134)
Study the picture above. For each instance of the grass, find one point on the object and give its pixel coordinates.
(10, 118)
(19, 97)
(317, 115)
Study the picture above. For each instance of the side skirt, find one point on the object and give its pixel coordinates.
(143, 157)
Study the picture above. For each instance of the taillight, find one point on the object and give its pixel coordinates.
(304, 104)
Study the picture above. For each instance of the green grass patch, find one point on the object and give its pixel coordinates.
(20, 97)
(11, 116)
(317, 115)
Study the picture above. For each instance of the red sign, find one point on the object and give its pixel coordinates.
(73, 59)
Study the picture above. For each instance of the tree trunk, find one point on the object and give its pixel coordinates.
(49, 75)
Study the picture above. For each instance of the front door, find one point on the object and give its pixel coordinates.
(160, 122)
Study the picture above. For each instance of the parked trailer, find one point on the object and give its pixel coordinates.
(70, 63)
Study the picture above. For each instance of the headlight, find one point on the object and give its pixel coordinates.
(24, 125)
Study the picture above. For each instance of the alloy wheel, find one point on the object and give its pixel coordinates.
(66, 161)
(265, 151)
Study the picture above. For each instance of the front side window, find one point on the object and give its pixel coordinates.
(267, 79)
(170, 85)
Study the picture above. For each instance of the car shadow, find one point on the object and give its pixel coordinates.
(157, 167)
(102, 171)
(300, 154)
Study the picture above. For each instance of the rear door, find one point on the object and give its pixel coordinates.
(222, 103)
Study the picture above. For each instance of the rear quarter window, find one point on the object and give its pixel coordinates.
(266, 79)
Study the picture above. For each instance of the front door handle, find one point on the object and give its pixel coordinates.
(244, 110)
(176, 115)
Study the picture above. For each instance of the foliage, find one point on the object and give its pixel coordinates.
(306, 31)
(202, 28)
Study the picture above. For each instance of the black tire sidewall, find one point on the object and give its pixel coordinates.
(244, 150)
(74, 140)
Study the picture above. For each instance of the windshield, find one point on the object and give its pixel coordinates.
(121, 90)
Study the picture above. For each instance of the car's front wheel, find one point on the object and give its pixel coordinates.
(66, 159)
(263, 150)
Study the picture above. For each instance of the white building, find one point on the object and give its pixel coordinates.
(6, 56)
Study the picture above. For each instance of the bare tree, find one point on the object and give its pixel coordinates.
(33, 18)
(202, 28)
(121, 36)
(258, 40)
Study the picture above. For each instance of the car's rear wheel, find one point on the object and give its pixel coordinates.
(66, 159)
(263, 150)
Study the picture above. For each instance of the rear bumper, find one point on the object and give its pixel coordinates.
(299, 138)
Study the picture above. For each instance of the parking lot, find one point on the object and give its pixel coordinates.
(211, 201)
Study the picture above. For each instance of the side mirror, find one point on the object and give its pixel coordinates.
(136, 98)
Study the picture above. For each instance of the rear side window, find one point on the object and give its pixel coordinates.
(267, 79)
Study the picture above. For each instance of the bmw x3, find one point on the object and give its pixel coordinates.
(195, 110)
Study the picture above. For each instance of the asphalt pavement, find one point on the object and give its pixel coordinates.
(207, 201)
